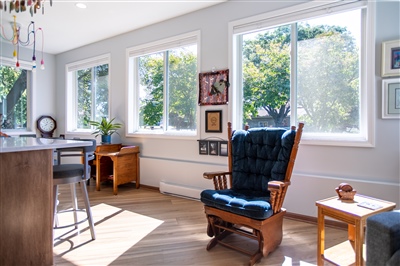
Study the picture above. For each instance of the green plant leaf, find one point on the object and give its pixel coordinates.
(105, 127)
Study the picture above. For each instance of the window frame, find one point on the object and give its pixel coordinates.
(71, 103)
(296, 13)
(132, 91)
(30, 94)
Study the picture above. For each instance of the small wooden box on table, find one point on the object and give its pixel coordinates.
(119, 161)
(355, 216)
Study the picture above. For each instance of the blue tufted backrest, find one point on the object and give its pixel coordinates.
(260, 155)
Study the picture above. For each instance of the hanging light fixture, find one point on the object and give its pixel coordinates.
(30, 41)
(22, 5)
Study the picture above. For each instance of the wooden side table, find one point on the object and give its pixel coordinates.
(125, 165)
(354, 215)
(106, 163)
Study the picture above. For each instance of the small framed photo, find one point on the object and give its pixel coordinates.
(203, 147)
(213, 147)
(213, 87)
(214, 121)
(391, 58)
(223, 148)
(391, 98)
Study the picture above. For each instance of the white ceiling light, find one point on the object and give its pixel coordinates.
(80, 5)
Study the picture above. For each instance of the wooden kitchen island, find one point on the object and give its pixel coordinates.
(26, 191)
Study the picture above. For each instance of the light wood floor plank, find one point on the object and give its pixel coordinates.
(144, 227)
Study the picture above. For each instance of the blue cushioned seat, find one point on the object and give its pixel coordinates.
(254, 205)
(259, 155)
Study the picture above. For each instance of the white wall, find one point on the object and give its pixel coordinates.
(318, 170)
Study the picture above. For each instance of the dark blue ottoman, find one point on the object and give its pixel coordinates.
(383, 239)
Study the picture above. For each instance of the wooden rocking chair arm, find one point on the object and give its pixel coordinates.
(277, 184)
(220, 179)
(211, 175)
(277, 194)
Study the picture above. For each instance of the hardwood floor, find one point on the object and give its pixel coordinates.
(145, 227)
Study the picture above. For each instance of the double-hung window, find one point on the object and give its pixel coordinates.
(16, 86)
(162, 87)
(310, 63)
(87, 93)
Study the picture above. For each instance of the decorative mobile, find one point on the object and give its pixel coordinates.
(16, 40)
(22, 5)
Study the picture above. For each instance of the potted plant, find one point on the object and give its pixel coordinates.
(105, 129)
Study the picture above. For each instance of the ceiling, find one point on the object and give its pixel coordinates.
(66, 26)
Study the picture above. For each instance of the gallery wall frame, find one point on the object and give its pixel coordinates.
(391, 98)
(223, 148)
(203, 147)
(391, 58)
(213, 147)
(213, 87)
(213, 121)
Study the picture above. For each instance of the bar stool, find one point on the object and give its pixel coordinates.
(72, 174)
(85, 152)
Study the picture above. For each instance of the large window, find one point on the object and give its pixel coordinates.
(163, 87)
(87, 93)
(15, 92)
(310, 69)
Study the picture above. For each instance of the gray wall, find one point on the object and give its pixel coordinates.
(319, 169)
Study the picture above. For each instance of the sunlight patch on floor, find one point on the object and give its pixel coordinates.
(128, 227)
(289, 262)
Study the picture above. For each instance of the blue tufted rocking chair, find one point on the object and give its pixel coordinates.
(260, 162)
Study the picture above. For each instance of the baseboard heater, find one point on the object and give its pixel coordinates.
(180, 190)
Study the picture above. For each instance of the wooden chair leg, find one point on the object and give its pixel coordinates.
(214, 231)
(255, 258)
(210, 231)
(271, 234)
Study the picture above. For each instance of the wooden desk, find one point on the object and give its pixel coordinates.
(355, 216)
(124, 162)
(26, 199)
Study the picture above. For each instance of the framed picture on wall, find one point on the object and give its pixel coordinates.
(391, 58)
(223, 148)
(213, 147)
(214, 121)
(203, 147)
(391, 98)
(214, 87)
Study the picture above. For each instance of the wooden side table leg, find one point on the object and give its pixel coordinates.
(98, 172)
(351, 232)
(359, 240)
(115, 174)
(321, 237)
(137, 171)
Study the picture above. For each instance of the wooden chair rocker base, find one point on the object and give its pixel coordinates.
(268, 233)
